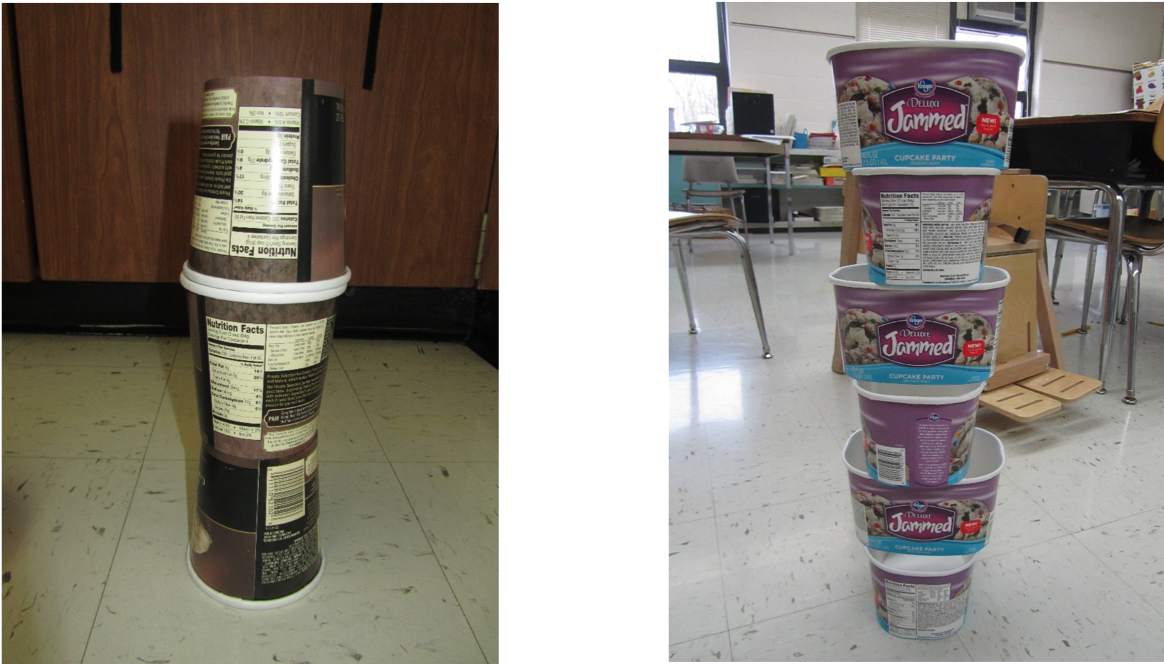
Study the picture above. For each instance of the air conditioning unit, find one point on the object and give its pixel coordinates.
(1008, 13)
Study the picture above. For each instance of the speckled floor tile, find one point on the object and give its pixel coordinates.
(785, 558)
(10, 340)
(62, 521)
(690, 478)
(62, 411)
(714, 648)
(844, 630)
(437, 416)
(383, 596)
(697, 607)
(1018, 521)
(1056, 601)
(1131, 548)
(83, 350)
(365, 355)
(456, 504)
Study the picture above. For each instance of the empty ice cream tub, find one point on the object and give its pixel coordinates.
(920, 597)
(951, 520)
(917, 436)
(925, 226)
(910, 336)
(925, 103)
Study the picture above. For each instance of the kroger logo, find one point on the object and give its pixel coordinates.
(918, 506)
(933, 417)
(915, 321)
(924, 87)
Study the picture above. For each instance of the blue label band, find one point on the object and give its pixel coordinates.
(942, 374)
(934, 548)
(957, 154)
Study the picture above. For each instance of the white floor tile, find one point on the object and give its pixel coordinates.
(714, 648)
(690, 479)
(697, 607)
(1131, 548)
(437, 416)
(1056, 601)
(383, 594)
(365, 355)
(94, 351)
(844, 630)
(63, 411)
(62, 521)
(456, 504)
(10, 340)
(785, 558)
(1018, 522)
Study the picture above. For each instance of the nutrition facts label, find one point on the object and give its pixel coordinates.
(926, 240)
(923, 611)
(266, 372)
(265, 220)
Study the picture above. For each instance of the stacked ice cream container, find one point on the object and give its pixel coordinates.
(266, 268)
(925, 127)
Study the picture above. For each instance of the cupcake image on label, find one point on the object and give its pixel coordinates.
(866, 92)
(989, 115)
(859, 336)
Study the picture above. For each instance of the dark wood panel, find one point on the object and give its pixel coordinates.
(19, 254)
(113, 156)
(421, 145)
(489, 261)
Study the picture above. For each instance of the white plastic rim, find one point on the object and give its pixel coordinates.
(985, 463)
(250, 604)
(923, 395)
(905, 564)
(871, 171)
(937, 43)
(300, 296)
(265, 286)
(857, 276)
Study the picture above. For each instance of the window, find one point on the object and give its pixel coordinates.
(698, 63)
(878, 21)
(969, 34)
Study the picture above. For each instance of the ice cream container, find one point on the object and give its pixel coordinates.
(269, 197)
(912, 336)
(917, 436)
(925, 226)
(260, 359)
(949, 520)
(921, 597)
(925, 103)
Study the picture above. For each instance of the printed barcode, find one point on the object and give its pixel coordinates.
(285, 493)
(891, 464)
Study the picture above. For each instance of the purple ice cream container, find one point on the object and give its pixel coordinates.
(921, 597)
(925, 103)
(950, 520)
(917, 436)
(913, 336)
(925, 226)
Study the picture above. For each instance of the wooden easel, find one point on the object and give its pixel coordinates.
(1027, 383)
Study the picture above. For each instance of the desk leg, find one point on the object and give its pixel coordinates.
(788, 194)
(1115, 236)
(768, 185)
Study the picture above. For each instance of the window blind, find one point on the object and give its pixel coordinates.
(902, 20)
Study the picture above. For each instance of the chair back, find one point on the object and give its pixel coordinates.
(710, 170)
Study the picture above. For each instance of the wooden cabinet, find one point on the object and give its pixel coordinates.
(19, 256)
(489, 262)
(112, 156)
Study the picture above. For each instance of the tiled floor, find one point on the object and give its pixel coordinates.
(100, 449)
(764, 564)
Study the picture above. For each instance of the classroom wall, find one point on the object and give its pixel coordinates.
(1087, 51)
(780, 48)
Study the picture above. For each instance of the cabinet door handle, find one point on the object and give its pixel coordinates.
(373, 41)
(115, 37)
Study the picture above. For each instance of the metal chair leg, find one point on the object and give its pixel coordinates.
(1135, 265)
(1087, 287)
(1059, 246)
(1127, 298)
(679, 265)
(1112, 282)
(750, 278)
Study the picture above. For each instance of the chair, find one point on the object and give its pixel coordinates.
(687, 226)
(1142, 237)
(719, 171)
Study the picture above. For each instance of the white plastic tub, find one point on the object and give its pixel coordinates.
(921, 597)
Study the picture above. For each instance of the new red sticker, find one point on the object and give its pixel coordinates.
(988, 125)
(974, 348)
(971, 527)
